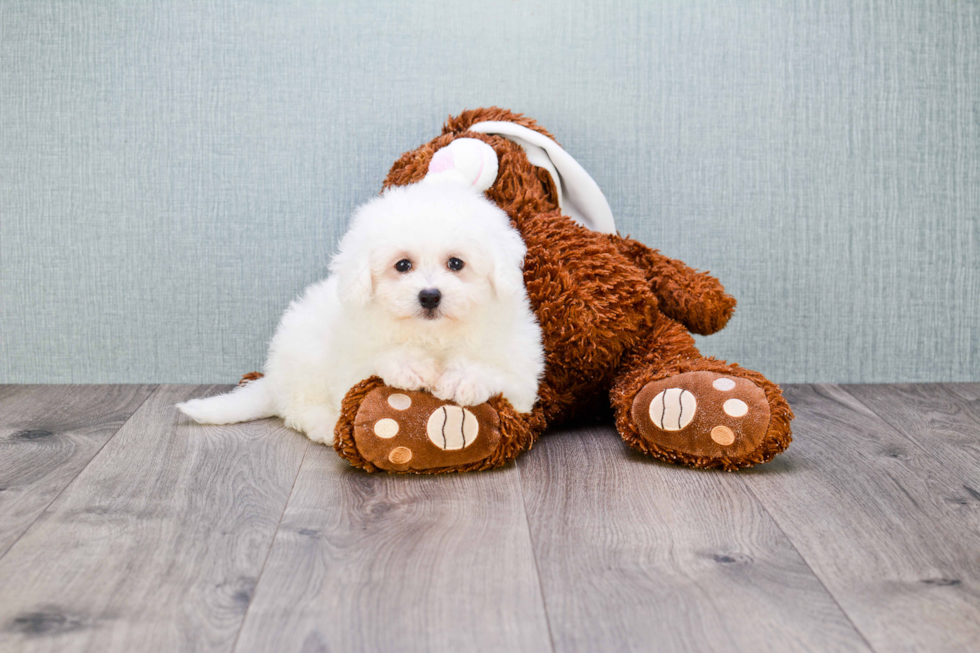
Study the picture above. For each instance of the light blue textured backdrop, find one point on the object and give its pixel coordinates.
(171, 174)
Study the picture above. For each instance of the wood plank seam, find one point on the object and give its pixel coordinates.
(884, 492)
(272, 541)
(155, 387)
(534, 556)
(809, 566)
(900, 428)
(158, 545)
(668, 555)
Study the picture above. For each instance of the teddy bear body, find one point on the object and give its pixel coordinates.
(616, 318)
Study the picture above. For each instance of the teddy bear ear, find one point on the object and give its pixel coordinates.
(465, 161)
(579, 197)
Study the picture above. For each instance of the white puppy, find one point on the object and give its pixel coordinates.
(426, 292)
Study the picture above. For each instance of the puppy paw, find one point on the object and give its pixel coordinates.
(466, 389)
(408, 375)
(322, 434)
(316, 421)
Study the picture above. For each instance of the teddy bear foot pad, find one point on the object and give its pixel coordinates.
(406, 431)
(703, 414)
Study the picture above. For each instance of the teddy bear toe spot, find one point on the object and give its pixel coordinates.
(673, 409)
(386, 428)
(452, 428)
(735, 408)
(723, 435)
(400, 455)
(723, 384)
(398, 401)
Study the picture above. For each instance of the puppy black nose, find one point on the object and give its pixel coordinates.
(429, 298)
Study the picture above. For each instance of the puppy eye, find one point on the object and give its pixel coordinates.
(403, 265)
(455, 264)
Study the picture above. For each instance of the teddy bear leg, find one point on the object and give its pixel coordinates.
(383, 428)
(675, 405)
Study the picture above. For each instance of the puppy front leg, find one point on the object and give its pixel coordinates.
(407, 370)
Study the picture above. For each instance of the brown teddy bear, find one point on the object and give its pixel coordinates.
(616, 319)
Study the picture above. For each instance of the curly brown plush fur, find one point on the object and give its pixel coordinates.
(615, 314)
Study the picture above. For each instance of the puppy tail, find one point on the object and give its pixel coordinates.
(243, 404)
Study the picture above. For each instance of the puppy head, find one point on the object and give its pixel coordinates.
(432, 252)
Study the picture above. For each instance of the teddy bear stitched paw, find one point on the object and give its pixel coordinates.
(407, 431)
(704, 414)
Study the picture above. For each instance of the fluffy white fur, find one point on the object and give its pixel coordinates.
(366, 318)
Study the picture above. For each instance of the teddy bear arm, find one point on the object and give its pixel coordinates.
(695, 299)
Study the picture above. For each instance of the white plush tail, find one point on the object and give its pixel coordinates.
(243, 404)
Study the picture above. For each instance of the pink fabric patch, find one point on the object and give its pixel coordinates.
(442, 160)
(477, 178)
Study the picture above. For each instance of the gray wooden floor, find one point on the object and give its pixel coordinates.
(125, 528)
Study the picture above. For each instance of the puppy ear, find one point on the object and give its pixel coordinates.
(508, 265)
(352, 265)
